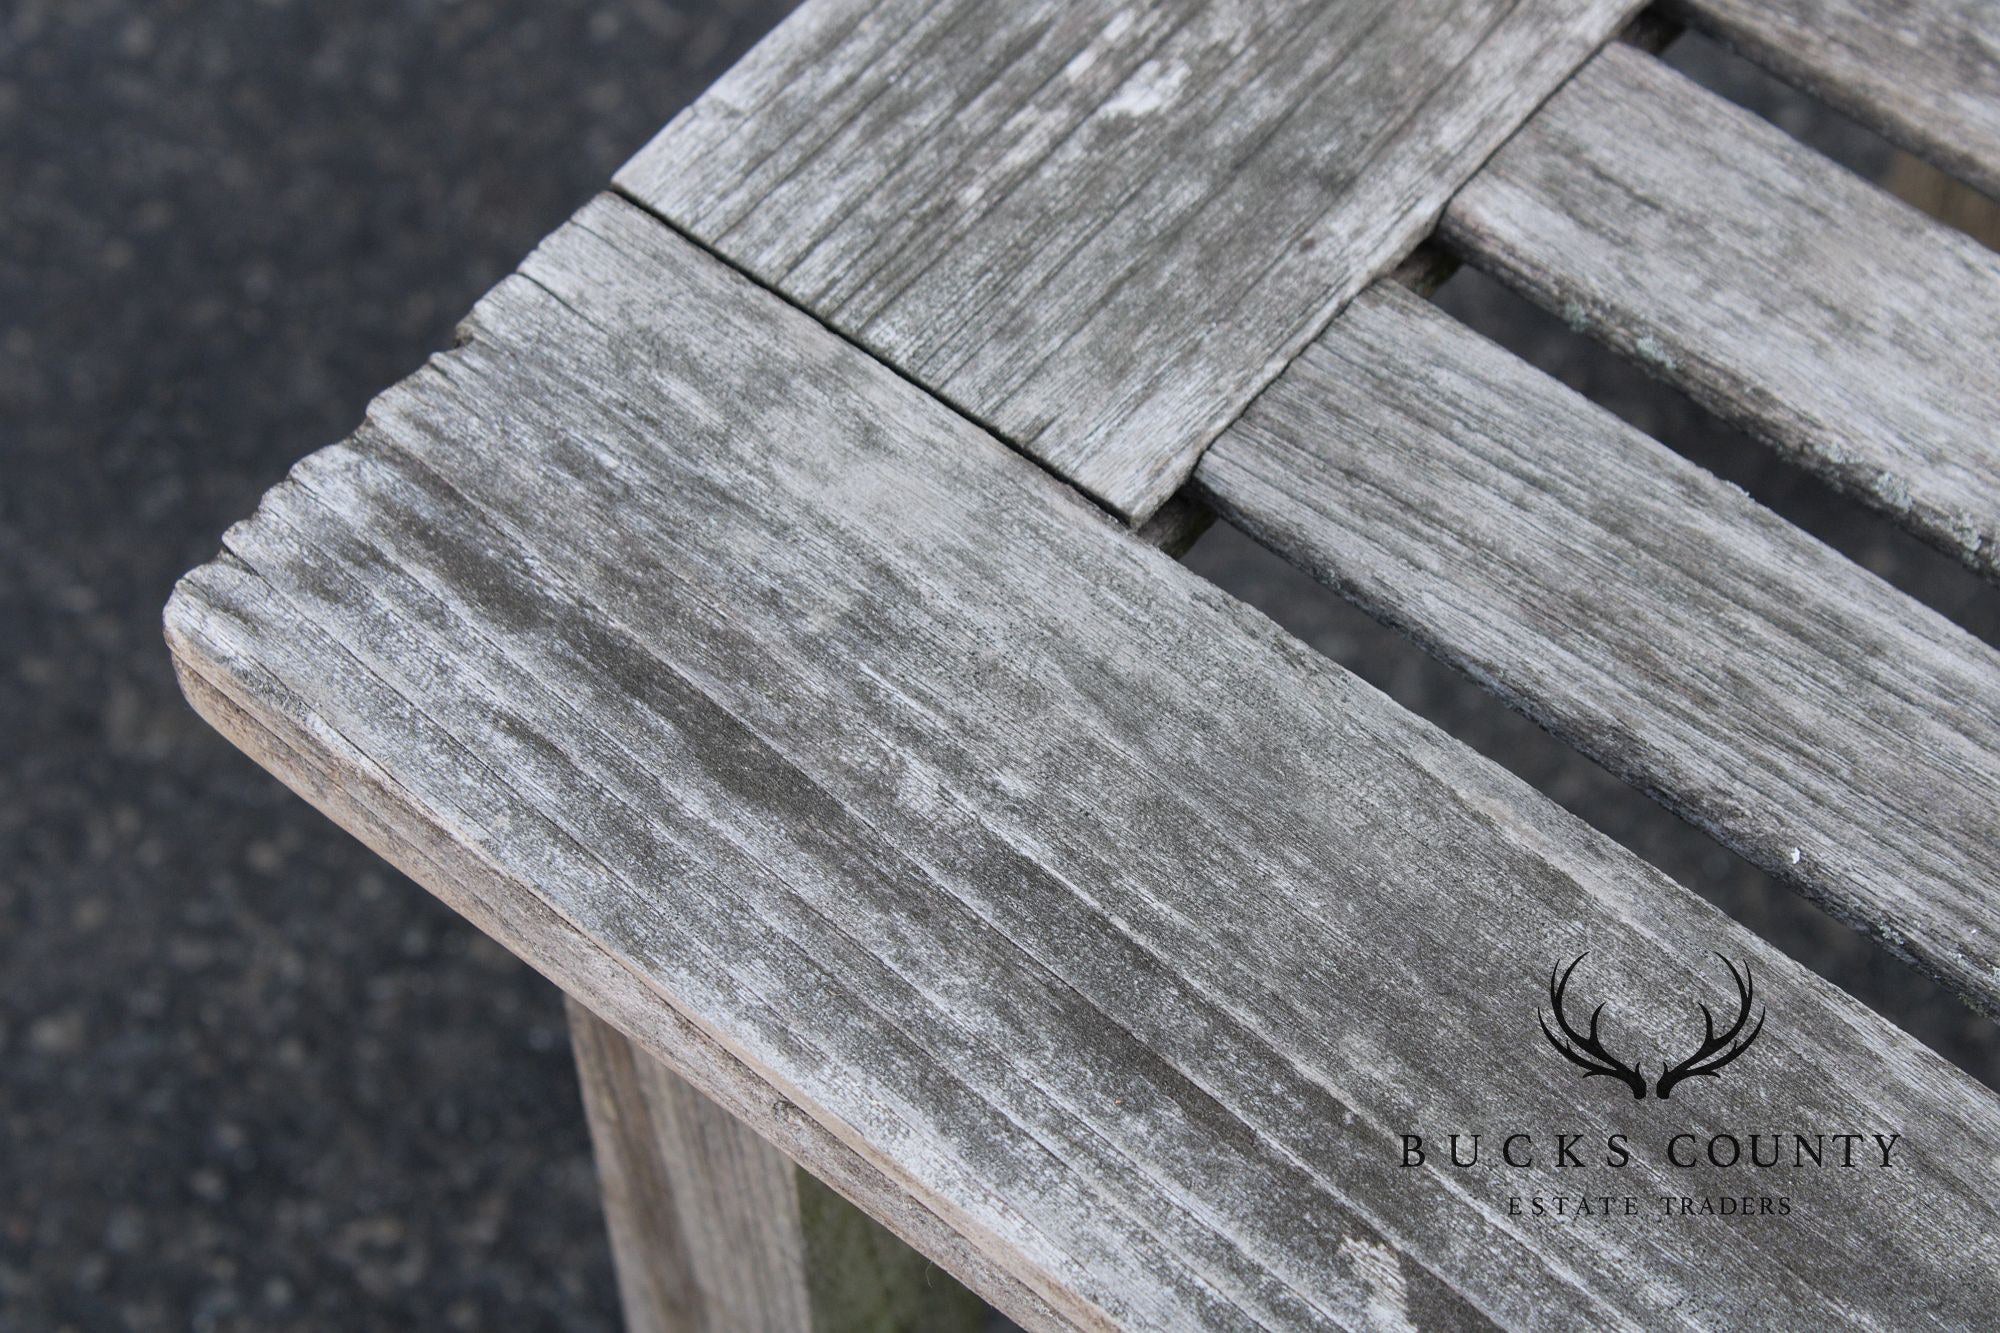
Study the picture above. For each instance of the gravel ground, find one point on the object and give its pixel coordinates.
(253, 1078)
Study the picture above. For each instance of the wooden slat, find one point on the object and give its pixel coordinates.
(714, 1230)
(1926, 73)
(1121, 932)
(1100, 228)
(1827, 727)
(352, 791)
(1834, 321)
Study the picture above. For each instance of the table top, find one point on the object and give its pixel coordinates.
(759, 623)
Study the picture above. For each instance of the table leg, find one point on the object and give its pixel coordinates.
(714, 1229)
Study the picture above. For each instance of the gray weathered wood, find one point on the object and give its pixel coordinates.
(763, 701)
(1100, 228)
(1926, 73)
(1176, 526)
(1836, 322)
(714, 1229)
(350, 790)
(1829, 728)
(703, 1214)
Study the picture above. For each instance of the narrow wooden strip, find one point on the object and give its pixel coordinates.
(714, 1229)
(1122, 932)
(1100, 228)
(1829, 728)
(1836, 322)
(1924, 73)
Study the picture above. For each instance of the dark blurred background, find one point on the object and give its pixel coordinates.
(249, 1076)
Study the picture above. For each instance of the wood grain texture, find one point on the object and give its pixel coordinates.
(703, 1214)
(1926, 73)
(1115, 930)
(1839, 734)
(1837, 323)
(346, 786)
(714, 1230)
(1100, 229)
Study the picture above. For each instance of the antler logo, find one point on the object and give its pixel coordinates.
(1587, 1052)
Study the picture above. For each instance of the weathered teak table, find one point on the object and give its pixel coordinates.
(759, 622)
